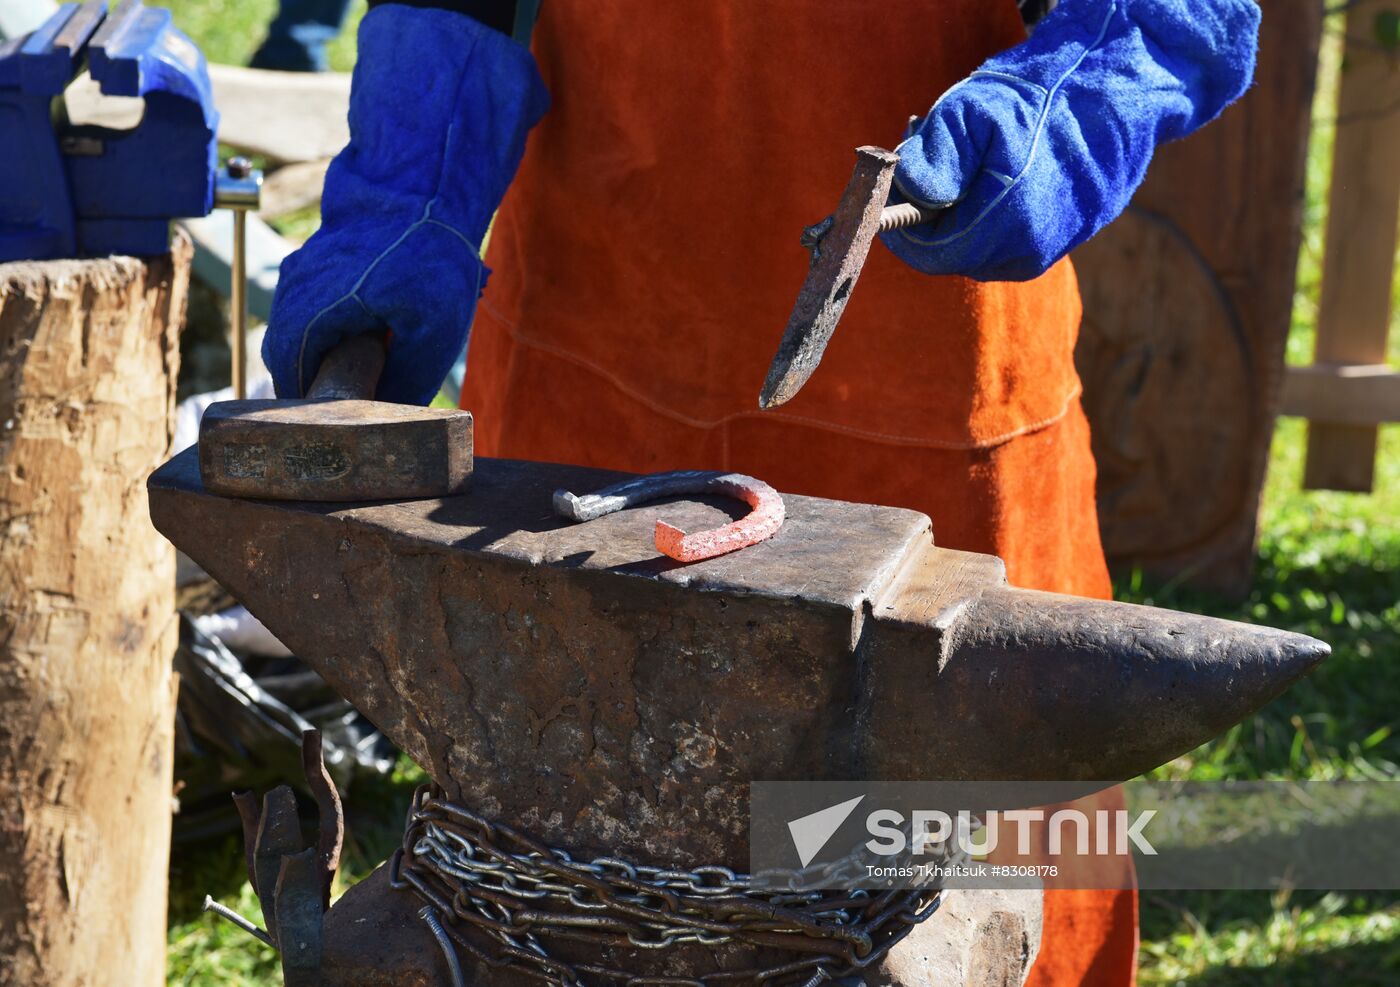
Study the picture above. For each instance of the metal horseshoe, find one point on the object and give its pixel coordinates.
(760, 523)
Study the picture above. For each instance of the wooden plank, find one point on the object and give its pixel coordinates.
(1359, 263)
(1343, 393)
(1187, 304)
(284, 116)
(22, 16)
(292, 187)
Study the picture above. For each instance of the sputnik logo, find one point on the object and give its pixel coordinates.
(811, 832)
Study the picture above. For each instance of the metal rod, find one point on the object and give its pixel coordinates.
(224, 912)
(449, 954)
(905, 214)
(238, 304)
(239, 188)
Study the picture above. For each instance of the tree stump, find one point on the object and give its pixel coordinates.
(88, 360)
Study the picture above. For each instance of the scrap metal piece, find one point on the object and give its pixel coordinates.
(485, 636)
(248, 814)
(300, 918)
(839, 245)
(279, 835)
(762, 522)
(292, 881)
(330, 816)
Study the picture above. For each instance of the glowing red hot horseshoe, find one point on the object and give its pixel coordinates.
(760, 523)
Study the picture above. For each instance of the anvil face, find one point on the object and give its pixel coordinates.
(569, 680)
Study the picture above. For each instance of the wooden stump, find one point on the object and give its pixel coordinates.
(88, 359)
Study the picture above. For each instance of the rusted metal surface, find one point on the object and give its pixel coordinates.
(300, 916)
(334, 450)
(400, 951)
(335, 444)
(292, 881)
(839, 245)
(279, 835)
(330, 823)
(567, 679)
(248, 814)
(1041, 686)
(765, 518)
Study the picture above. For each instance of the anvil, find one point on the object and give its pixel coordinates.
(570, 681)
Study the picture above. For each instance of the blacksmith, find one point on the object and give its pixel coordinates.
(646, 260)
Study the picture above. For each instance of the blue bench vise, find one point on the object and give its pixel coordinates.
(69, 190)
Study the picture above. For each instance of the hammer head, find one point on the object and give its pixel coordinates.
(340, 450)
(839, 246)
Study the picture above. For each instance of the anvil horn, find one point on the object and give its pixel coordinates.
(568, 679)
(1040, 686)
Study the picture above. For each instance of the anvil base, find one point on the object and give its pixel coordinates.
(977, 938)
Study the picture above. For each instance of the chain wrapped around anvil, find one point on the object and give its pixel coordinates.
(501, 896)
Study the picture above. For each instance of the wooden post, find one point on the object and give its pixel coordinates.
(1353, 317)
(88, 359)
(1187, 299)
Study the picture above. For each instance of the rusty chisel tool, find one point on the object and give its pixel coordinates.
(839, 245)
(336, 444)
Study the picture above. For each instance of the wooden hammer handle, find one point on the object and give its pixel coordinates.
(351, 370)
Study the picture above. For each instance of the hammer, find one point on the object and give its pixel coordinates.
(839, 245)
(336, 444)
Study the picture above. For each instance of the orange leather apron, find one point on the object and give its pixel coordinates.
(646, 260)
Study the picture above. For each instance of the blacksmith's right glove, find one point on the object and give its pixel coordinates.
(1044, 145)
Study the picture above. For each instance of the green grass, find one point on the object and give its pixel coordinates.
(1329, 566)
(1248, 938)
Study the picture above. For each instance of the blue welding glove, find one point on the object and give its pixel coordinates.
(439, 110)
(1044, 145)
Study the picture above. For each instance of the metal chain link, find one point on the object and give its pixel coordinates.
(501, 897)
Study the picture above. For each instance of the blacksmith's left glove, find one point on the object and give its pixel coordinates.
(439, 109)
(1044, 145)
